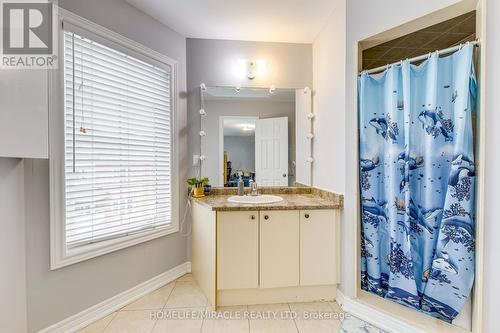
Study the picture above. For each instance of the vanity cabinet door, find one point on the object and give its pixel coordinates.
(237, 250)
(318, 247)
(279, 248)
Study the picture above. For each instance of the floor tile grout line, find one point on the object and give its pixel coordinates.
(294, 321)
(169, 294)
(154, 325)
(106, 326)
(248, 318)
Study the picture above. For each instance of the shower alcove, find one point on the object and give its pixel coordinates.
(422, 36)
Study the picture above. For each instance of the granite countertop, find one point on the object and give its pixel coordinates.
(302, 200)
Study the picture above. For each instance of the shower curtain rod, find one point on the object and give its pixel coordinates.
(422, 57)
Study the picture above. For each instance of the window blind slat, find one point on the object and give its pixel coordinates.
(115, 232)
(117, 143)
(102, 55)
(109, 57)
(109, 215)
(102, 74)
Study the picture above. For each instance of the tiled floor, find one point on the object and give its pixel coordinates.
(154, 313)
(352, 324)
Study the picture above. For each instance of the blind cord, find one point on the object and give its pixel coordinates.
(82, 122)
(187, 209)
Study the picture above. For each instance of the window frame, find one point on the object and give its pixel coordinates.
(60, 255)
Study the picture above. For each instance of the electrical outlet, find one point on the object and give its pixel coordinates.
(196, 160)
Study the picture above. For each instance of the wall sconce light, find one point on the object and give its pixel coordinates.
(272, 89)
(250, 68)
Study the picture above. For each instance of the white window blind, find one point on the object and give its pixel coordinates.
(117, 143)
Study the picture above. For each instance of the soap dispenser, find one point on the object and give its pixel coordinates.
(241, 186)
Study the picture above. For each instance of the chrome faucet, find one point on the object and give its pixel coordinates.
(253, 185)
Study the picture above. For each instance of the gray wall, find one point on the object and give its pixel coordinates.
(262, 109)
(55, 295)
(12, 247)
(241, 152)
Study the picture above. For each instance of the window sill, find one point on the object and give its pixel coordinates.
(73, 256)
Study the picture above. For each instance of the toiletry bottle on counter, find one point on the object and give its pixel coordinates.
(241, 186)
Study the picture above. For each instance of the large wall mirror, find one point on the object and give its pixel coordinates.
(252, 133)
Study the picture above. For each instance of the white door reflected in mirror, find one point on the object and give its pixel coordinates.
(271, 152)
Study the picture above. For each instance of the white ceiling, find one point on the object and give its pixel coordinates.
(293, 21)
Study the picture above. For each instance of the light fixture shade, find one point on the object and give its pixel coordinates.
(250, 68)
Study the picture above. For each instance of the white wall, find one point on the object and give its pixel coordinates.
(492, 165)
(329, 103)
(13, 315)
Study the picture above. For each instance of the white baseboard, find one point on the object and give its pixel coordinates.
(101, 310)
(374, 316)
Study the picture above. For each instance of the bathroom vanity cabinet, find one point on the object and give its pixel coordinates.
(265, 256)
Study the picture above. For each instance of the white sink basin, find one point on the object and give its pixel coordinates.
(255, 199)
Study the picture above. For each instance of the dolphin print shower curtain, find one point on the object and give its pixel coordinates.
(417, 183)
